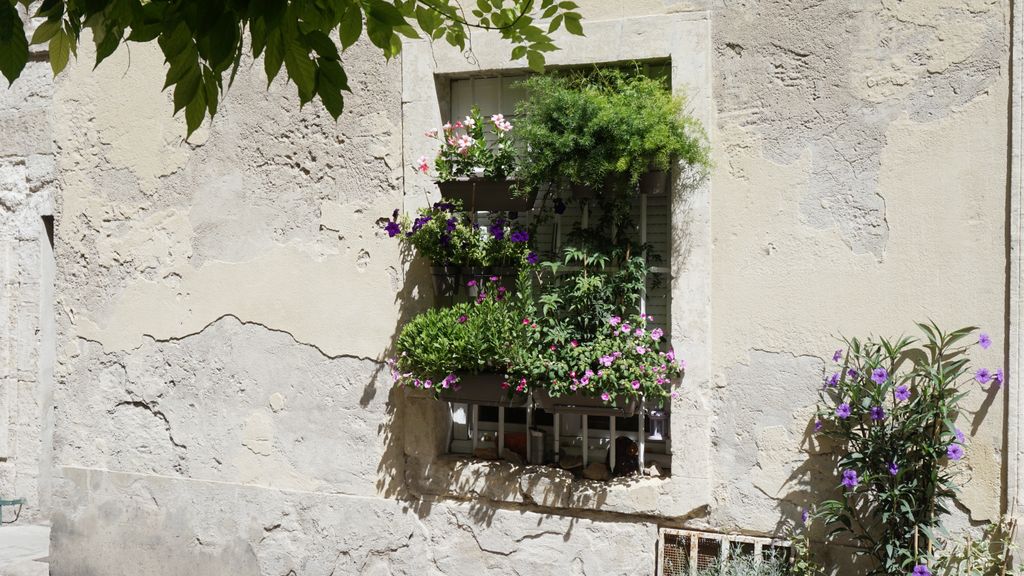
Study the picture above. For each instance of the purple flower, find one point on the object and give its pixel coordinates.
(850, 479)
(805, 515)
(843, 410)
(497, 231)
(393, 229)
(921, 570)
(955, 452)
(852, 373)
(449, 380)
(894, 469)
(641, 350)
(639, 332)
(614, 320)
(833, 380)
(984, 341)
(450, 225)
(837, 355)
(656, 334)
(532, 258)
(520, 236)
(983, 376)
(959, 435)
(471, 283)
(670, 355)
(998, 377)
(818, 425)
(559, 206)
(605, 396)
(635, 384)
(463, 318)
(877, 413)
(420, 222)
(879, 375)
(607, 360)
(902, 393)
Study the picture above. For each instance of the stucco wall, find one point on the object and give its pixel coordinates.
(225, 304)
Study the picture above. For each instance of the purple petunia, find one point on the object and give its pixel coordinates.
(450, 225)
(955, 452)
(463, 318)
(850, 479)
(894, 469)
(520, 236)
(497, 229)
(532, 258)
(984, 341)
(983, 376)
(877, 413)
(449, 380)
(393, 229)
(902, 393)
(837, 355)
(921, 570)
(879, 375)
(843, 410)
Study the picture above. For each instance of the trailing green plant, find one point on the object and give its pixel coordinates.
(603, 128)
(489, 335)
(466, 152)
(890, 411)
(445, 235)
(989, 555)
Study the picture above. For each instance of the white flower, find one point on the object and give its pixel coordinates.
(465, 142)
(469, 122)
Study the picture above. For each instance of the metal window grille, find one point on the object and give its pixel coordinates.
(685, 552)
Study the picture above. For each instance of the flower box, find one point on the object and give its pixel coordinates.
(483, 195)
(446, 280)
(580, 404)
(485, 390)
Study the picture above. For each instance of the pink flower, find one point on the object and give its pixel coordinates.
(447, 127)
(670, 355)
(423, 165)
(605, 396)
(641, 350)
(458, 124)
(635, 384)
(656, 334)
(431, 133)
(574, 343)
(614, 320)
(639, 332)
(464, 143)
(500, 123)
(674, 394)
(526, 321)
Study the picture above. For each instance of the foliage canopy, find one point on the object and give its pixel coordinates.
(204, 40)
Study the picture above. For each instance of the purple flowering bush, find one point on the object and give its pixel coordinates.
(446, 235)
(889, 407)
(625, 361)
(488, 335)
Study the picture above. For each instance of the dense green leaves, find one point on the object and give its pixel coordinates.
(203, 39)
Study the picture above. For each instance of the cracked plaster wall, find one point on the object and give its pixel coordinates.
(225, 303)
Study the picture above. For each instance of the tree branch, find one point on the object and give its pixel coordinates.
(456, 18)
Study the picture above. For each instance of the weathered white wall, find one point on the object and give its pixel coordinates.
(225, 304)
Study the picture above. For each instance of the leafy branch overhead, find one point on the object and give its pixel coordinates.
(204, 40)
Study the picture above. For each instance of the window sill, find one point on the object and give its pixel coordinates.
(460, 477)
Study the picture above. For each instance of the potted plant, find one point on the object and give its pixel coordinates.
(605, 132)
(469, 352)
(610, 374)
(458, 249)
(476, 171)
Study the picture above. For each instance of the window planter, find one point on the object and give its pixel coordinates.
(446, 280)
(580, 404)
(506, 275)
(484, 390)
(483, 195)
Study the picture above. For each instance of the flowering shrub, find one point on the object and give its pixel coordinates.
(890, 408)
(465, 150)
(624, 361)
(490, 334)
(446, 235)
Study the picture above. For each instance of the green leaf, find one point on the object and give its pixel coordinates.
(323, 45)
(301, 69)
(351, 25)
(572, 24)
(13, 42)
(518, 52)
(273, 57)
(385, 13)
(535, 61)
(60, 52)
(195, 111)
(186, 88)
(46, 31)
(555, 23)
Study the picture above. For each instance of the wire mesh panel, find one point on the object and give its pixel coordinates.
(675, 555)
(686, 552)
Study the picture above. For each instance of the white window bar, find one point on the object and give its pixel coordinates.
(641, 437)
(476, 426)
(611, 448)
(558, 431)
(586, 441)
(529, 433)
(501, 431)
(643, 240)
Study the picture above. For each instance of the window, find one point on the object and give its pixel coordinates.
(566, 434)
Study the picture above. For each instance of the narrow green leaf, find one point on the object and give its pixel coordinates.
(351, 25)
(301, 69)
(46, 31)
(60, 52)
(572, 24)
(518, 52)
(555, 23)
(273, 56)
(13, 42)
(195, 111)
(186, 88)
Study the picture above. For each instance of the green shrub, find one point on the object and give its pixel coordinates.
(602, 128)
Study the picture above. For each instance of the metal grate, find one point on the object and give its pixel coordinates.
(684, 552)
